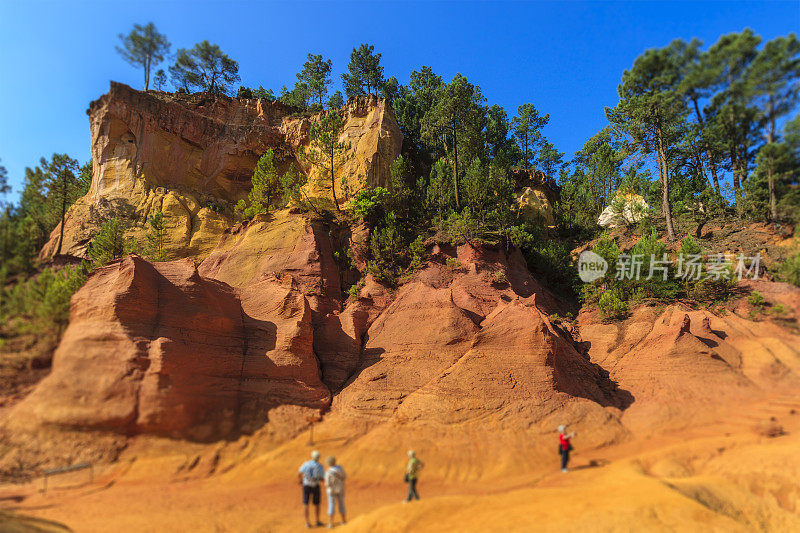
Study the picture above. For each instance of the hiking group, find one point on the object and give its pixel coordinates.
(311, 474)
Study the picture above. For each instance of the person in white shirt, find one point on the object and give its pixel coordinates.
(334, 486)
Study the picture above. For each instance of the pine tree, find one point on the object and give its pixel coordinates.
(413, 102)
(773, 76)
(456, 114)
(205, 66)
(63, 188)
(144, 47)
(695, 87)
(735, 124)
(109, 243)
(155, 237)
(364, 72)
(316, 74)
(4, 186)
(160, 79)
(528, 126)
(325, 151)
(336, 101)
(266, 191)
(651, 112)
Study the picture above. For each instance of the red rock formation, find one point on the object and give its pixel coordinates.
(157, 348)
(676, 360)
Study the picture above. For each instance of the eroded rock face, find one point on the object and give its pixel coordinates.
(674, 359)
(156, 348)
(625, 208)
(457, 346)
(192, 157)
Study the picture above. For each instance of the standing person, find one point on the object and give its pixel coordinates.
(564, 446)
(309, 475)
(334, 486)
(412, 470)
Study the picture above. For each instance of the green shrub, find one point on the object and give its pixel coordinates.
(355, 289)
(689, 246)
(417, 248)
(453, 263)
(44, 298)
(368, 203)
(779, 310)
(612, 306)
(790, 270)
(388, 250)
(461, 228)
(110, 243)
(712, 290)
(270, 189)
(155, 237)
(757, 300)
(499, 277)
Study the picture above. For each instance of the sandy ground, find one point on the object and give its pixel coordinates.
(727, 476)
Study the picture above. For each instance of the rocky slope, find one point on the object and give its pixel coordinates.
(192, 156)
(217, 363)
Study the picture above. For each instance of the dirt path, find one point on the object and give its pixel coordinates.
(725, 476)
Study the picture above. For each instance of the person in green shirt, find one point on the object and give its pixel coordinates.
(412, 471)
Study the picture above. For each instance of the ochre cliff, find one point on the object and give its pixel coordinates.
(156, 348)
(192, 157)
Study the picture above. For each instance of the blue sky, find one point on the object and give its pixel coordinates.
(564, 57)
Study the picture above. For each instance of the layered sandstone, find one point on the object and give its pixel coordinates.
(157, 348)
(677, 359)
(192, 157)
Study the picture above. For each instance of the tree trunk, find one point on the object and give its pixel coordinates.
(773, 204)
(713, 166)
(333, 183)
(711, 163)
(737, 189)
(455, 169)
(63, 214)
(664, 171)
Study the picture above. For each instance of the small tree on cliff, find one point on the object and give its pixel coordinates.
(325, 150)
(155, 237)
(161, 79)
(144, 47)
(528, 126)
(183, 73)
(364, 72)
(110, 243)
(336, 101)
(267, 192)
(63, 188)
(206, 66)
(316, 74)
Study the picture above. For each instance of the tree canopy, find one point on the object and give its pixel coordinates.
(144, 47)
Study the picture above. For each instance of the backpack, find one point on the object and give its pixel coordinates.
(310, 473)
(334, 480)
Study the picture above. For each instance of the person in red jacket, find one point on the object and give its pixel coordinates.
(564, 446)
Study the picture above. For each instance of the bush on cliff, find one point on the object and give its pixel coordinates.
(612, 305)
(42, 301)
(271, 189)
(110, 243)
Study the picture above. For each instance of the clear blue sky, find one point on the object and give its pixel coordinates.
(564, 57)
